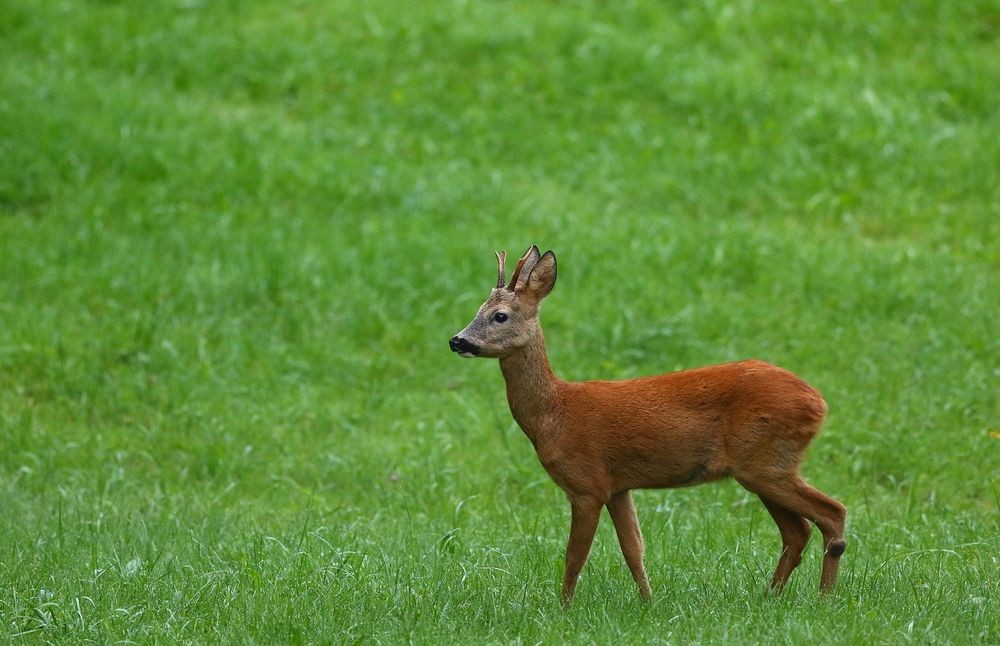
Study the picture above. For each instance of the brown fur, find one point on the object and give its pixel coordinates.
(598, 440)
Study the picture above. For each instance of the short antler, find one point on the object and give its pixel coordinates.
(501, 267)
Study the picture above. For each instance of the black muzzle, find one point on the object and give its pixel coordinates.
(461, 346)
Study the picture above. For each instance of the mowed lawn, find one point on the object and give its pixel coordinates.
(235, 238)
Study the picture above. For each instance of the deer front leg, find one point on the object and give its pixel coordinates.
(622, 511)
(586, 515)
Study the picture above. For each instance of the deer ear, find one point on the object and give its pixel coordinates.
(524, 265)
(542, 278)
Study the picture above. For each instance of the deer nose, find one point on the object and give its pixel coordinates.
(460, 345)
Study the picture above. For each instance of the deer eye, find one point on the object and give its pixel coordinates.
(499, 317)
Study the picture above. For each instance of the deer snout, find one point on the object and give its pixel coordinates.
(463, 347)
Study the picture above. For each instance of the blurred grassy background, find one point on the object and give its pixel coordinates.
(235, 238)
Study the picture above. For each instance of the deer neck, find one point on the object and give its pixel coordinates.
(532, 387)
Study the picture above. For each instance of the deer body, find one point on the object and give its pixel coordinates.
(598, 440)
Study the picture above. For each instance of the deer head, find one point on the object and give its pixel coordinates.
(509, 317)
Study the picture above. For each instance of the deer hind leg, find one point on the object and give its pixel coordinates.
(798, 497)
(794, 536)
(622, 511)
(586, 515)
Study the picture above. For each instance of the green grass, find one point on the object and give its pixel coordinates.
(236, 237)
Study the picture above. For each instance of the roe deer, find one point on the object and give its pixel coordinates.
(599, 439)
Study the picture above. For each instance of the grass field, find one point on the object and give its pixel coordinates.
(235, 238)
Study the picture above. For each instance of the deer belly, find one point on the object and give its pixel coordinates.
(657, 469)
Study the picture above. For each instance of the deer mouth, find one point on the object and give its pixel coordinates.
(463, 347)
